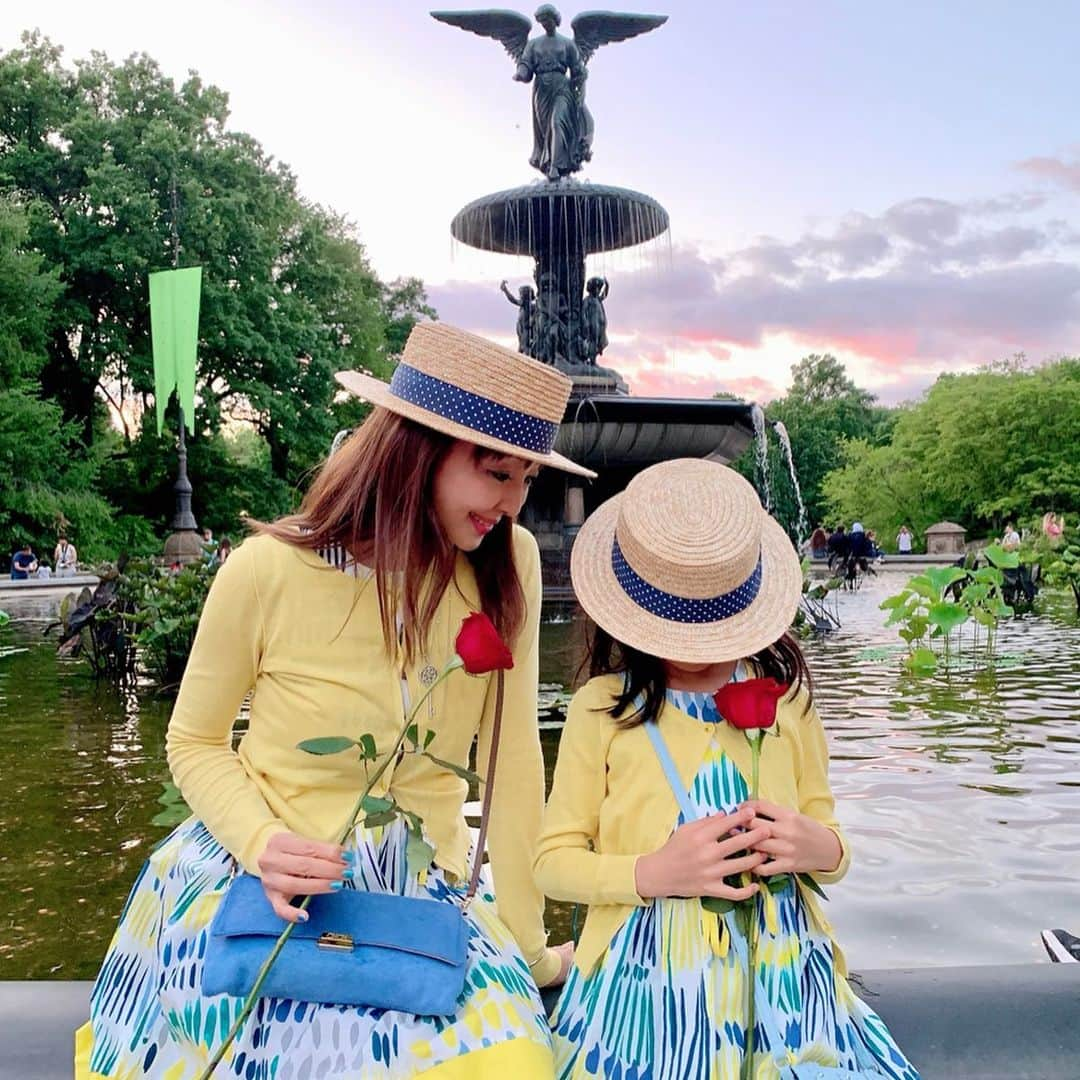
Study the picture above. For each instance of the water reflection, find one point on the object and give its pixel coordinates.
(960, 796)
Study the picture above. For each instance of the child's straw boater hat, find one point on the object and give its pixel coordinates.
(473, 389)
(686, 565)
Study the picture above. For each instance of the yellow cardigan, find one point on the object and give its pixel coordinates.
(610, 802)
(307, 639)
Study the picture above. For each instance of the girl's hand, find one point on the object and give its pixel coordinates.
(796, 843)
(699, 855)
(292, 865)
(565, 953)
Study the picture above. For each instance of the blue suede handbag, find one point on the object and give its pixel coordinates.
(357, 948)
(379, 950)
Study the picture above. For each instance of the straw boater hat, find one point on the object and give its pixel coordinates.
(473, 389)
(686, 565)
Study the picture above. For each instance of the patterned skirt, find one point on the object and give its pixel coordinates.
(669, 998)
(149, 1019)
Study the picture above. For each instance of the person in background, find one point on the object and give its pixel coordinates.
(1053, 526)
(819, 543)
(43, 572)
(859, 545)
(224, 549)
(209, 546)
(23, 563)
(65, 557)
(904, 540)
(1010, 539)
(875, 550)
(838, 545)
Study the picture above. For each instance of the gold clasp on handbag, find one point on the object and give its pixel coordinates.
(341, 942)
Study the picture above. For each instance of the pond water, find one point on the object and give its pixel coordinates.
(961, 796)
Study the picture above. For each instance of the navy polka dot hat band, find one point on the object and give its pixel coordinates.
(687, 565)
(473, 389)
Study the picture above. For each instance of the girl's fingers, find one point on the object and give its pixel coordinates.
(747, 862)
(777, 866)
(730, 892)
(719, 825)
(775, 846)
(768, 809)
(742, 842)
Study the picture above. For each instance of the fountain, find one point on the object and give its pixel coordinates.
(558, 222)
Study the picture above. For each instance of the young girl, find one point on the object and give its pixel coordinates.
(692, 586)
(323, 617)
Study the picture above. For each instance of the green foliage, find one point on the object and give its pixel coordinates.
(108, 172)
(822, 410)
(978, 449)
(933, 607)
(1060, 561)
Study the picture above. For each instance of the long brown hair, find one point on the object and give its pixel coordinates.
(375, 495)
(645, 674)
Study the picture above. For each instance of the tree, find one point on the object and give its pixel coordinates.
(47, 479)
(977, 449)
(123, 172)
(822, 408)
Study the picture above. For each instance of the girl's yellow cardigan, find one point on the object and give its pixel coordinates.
(611, 803)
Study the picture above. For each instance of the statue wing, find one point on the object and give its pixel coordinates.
(595, 28)
(507, 27)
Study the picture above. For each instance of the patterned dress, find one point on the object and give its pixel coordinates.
(668, 1001)
(149, 1019)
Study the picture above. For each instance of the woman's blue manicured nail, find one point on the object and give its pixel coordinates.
(302, 916)
(337, 884)
(348, 856)
(347, 874)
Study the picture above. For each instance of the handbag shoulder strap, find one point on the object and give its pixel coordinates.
(489, 786)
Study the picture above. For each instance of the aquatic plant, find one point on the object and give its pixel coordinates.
(933, 608)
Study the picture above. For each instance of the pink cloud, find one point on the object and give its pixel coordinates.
(1064, 174)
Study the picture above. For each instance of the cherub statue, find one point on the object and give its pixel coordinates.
(556, 66)
(594, 319)
(526, 320)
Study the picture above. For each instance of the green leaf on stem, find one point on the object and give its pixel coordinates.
(1002, 559)
(331, 744)
(717, 904)
(418, 853)
(412, 734)
(808, 881)
(777, 883)
(380, 817)
(373, 804)
(947, 616)
(368, 750)
(457, 770)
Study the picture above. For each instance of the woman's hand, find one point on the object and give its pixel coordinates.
(796, 843)
(292, 865)
(565, 952)
(699, 855)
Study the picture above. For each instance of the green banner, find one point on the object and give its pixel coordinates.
(174, 332)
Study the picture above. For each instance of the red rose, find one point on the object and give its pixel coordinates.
(480, 647)
(751, 704)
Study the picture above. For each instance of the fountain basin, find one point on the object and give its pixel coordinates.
(612, 430)
(588, 218)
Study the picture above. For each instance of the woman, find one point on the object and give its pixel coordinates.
(333, 618)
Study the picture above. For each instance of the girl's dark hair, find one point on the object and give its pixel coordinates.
(376, 493)
(645, 674)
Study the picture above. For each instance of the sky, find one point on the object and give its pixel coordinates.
(898, 185)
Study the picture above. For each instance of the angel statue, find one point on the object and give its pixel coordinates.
(556, 66)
